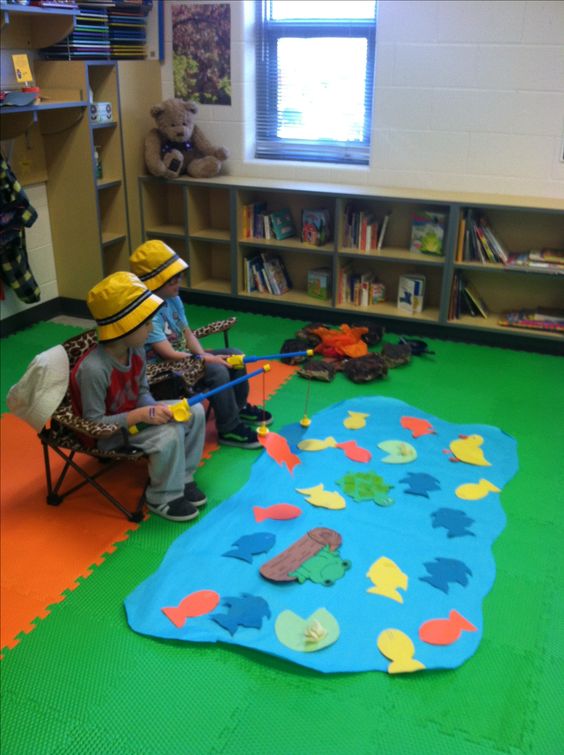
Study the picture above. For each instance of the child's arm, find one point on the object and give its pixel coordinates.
(166, 351)
(93, 383)
(196, 348)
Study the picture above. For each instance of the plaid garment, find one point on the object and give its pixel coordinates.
(15, 213)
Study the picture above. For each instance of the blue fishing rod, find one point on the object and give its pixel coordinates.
(180, 409)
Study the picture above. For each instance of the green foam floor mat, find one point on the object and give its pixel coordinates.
(83, 682)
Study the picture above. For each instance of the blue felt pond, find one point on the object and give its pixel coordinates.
(381, 562)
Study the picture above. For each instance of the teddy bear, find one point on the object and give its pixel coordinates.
(178, 146)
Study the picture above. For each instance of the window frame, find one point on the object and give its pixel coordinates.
(268, 32)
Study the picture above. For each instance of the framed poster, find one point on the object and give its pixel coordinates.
(201, 52)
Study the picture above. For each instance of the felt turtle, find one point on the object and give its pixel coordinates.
(396, 354)
(315, 369)
(293, 344)
(325, 568)
(366, 486)
(365, 369)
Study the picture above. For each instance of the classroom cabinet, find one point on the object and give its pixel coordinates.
(207, 223)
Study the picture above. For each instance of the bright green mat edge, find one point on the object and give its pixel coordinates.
(83, 682)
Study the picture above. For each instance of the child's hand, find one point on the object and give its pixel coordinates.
(159, 414)
(216, 359)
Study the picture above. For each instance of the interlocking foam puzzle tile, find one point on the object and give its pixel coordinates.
(209, 698)
(439, 577)
(64, 543)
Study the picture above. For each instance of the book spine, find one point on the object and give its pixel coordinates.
(383, 231)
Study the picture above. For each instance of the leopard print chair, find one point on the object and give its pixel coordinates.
(68, 434)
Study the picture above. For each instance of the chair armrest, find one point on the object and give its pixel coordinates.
(66, 417)
(191, 368)
(219, 326)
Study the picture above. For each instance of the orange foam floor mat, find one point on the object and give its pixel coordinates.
(46, 549)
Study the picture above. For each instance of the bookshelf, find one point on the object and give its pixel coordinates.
(54, 143)
(31, 28)
(203, 220)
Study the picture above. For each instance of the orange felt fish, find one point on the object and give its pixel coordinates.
(354, 452)
(417, 426)
(195, 604)
(445, 631)
(276, 511)
(276, 446)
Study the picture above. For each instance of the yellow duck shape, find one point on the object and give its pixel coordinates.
(387, 578)
(399, 648)
(355, 420)
(475, 491)
(467, 448)
(325, 499)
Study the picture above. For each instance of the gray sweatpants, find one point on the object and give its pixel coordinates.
(174, 452)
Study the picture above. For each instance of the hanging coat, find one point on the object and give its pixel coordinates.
(16, 213)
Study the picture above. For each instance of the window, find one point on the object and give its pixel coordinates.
(315, 73)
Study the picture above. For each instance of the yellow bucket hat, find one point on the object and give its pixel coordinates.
(156, 263)
(120, 304)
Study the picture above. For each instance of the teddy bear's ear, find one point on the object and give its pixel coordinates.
(157, 110)
(191, 107)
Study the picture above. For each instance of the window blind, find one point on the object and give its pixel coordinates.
(315, 74)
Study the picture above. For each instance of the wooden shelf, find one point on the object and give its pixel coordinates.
(109, 238)
(203, 220)
(491, 323)
(389, 309)
(213, 285)
(293, 244)
(394, 255)
(45, 26)
(169, 229)
(290, 297)
(212, 234)
(108, 183)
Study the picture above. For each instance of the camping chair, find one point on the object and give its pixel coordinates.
(67, 433)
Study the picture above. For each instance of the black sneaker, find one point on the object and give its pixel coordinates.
(257, 414)
(241, 436)
(179, 510)
(193, 494)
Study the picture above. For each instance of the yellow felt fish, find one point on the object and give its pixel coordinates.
(387, 578)
(399, 648)
(355, 420)
(317, 445)
(467, 448)
(474, 491)
(325, 499)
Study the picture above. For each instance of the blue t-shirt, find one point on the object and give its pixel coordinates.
(168, 325)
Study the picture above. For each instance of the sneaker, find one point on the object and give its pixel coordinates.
(178, 510)
(241, 436)
(193, 495)
(257, 414)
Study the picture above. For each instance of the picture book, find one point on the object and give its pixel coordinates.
(282, 224)
(319, 283)
(316, 227)
(476, 299)
(411, 289)
(427, 233)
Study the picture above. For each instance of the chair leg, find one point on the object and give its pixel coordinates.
(54, 498)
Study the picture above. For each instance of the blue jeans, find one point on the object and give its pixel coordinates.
(228, 403)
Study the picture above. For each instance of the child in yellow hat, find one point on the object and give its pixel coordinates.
(171, 338)
(109, 384)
